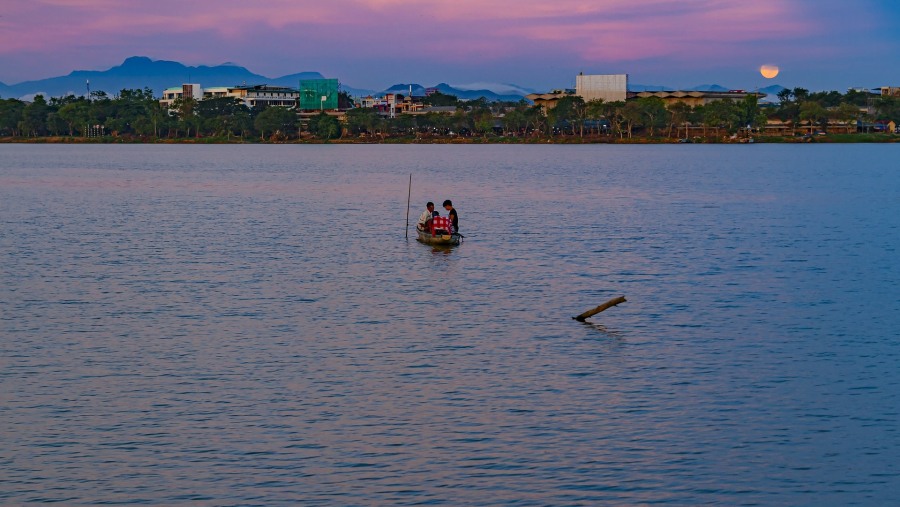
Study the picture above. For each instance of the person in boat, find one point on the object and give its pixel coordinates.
(426, 216)
(451, 212)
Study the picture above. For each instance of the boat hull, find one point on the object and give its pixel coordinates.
(438, 239)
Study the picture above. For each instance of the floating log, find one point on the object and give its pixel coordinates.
(604, 306)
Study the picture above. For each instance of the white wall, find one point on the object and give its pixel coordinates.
(609, 87)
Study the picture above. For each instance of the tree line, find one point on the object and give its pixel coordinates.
(136, 113)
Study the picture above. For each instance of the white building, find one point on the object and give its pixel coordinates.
(186, 90)
(609, 87)
(251, 96)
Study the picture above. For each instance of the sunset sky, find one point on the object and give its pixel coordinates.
(817, 44)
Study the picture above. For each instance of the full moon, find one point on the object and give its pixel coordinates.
(769, 71)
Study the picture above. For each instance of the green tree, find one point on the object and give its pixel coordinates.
(275, 120)
(746, 111)
(345, 102)
(846, 113)
(158, 116)
(461, 122)
(434, 123)
(361, 120)
(594, 111)
(858, 97)
(34, 117)
(220, 115)
(615, 112)
(128, 107)
(10, 116)
(679, 117)
(785, 96)
(631, 115)
(439, 99)
(243, 122)
(402, 125)
(536, 120)
(653, 113)
(887, 108)
(477, 105)
(325, 126)
(483, 121)
(515, 120)
(800, 94)
(568, 113)
(827, 99)
(77, 115)
(56, 126)
(813, 113)
(720, 114)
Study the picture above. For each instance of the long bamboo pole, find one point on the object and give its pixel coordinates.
(408, 195)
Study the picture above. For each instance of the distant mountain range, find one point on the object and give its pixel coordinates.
(139, 72)
(465, 92)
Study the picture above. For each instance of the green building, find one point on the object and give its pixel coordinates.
(318, 94)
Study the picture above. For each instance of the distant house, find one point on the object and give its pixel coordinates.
(887, 126)
(392, 104)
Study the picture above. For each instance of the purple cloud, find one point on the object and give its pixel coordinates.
(379, 42)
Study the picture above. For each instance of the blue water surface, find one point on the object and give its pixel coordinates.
(250, 325)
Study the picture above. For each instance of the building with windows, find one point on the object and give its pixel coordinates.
(265, 95)
(392, 104)
(251, 96)
(193, 91)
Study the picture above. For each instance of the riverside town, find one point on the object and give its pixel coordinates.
(599, 109)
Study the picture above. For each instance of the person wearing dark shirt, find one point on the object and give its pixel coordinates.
(454, 218)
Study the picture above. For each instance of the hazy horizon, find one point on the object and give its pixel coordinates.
(496, 86)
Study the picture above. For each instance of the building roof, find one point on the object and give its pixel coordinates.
(678, 94)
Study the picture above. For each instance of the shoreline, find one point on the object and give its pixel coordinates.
(854, 138)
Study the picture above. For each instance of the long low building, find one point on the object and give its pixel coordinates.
(694, 98)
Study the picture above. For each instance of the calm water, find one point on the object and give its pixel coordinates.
(247, 325)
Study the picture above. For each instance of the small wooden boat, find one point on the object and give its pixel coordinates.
(439, 233)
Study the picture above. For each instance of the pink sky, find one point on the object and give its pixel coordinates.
(818, 44)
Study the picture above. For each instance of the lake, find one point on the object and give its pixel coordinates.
(250, 325)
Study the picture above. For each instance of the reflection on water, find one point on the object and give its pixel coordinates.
(237, 325)
(605, 331)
